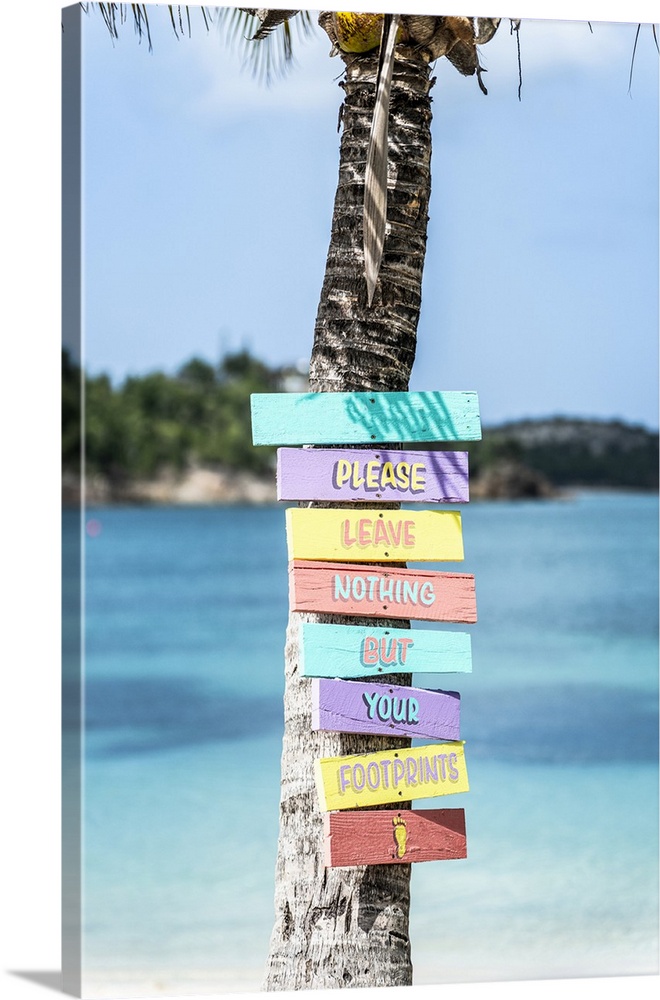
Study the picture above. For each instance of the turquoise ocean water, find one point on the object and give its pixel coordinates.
(186, 611)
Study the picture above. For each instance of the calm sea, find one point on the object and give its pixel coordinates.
(186, 614)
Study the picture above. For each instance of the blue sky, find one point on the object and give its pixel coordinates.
(208, 200)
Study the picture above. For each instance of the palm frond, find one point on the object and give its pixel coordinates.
(515, 29)
(264, 37)
(116, 14)
(632, 59)
(634, 52)
(269, 20)
(142, 18)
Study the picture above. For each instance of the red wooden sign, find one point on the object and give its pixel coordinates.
(392, 836)
(343, 589)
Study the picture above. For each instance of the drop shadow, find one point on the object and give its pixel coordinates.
(50, 980)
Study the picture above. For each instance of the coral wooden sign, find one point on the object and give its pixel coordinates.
(372, 590)
(391, 836)
(383, 476)
(391, 776)
(351, 651)
(382, 535)
(385, 709)
(363, 417)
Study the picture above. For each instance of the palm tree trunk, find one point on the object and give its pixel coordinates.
(342, 927)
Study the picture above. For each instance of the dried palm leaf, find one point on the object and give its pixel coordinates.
(375, 180)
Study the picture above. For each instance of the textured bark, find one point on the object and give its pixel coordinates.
(349, 926)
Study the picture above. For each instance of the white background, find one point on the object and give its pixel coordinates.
(30, 660)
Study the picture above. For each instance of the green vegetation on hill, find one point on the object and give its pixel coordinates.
(574, 452)
(156, 421)
(201, 416)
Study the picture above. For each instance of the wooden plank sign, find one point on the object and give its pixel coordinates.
(391, 836)
(351, 651)
(390, 776)
(382, 535)
(385, 710)
(383, 476)
(344, 589)
(280, 418)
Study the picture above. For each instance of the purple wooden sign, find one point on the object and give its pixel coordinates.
(386, 709)
(373, 475)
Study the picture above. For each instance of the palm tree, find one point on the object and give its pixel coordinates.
(340, 927)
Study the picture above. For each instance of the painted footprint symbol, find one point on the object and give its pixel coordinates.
(400, 835)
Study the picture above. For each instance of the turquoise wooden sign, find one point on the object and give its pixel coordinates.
(352, 651)
(295, 418)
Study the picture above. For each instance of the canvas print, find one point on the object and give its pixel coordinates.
(360, 499)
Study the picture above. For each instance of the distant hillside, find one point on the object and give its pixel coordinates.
(186, 438)
(573, 452)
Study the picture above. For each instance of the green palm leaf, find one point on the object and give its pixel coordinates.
(242, 27)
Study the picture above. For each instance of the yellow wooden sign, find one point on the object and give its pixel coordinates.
(379, 535)
(391, 776)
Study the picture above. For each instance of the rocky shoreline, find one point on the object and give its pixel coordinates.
(193, 487)
(204, 486)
